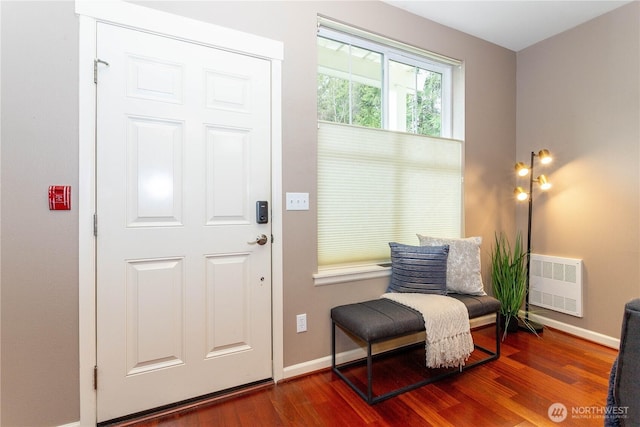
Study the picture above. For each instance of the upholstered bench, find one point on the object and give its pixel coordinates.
(380, 320)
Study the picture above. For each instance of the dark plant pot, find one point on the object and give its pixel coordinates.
(511, 327)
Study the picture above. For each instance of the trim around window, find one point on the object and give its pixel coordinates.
(324, 22)
(336, 275)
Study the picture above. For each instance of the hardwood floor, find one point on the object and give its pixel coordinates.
(516, 390)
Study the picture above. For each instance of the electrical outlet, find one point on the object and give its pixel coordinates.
(301, 323)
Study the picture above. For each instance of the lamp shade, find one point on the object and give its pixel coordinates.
(545, 156)
(522, 169)
(543, 182)
(521, 194)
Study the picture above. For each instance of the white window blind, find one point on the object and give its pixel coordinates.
(377, 186)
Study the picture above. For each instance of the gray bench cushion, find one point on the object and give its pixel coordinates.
(378, 319)
(382, 318)
(478, 305)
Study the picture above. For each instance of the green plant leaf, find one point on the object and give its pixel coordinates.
(509, 274)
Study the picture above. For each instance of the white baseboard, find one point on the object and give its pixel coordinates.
(322, 363)
(579, 332)
(76, 424)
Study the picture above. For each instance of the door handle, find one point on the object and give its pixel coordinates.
(260, 240)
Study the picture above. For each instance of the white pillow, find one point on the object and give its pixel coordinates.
(463, 264)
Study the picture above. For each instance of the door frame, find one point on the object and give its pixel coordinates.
(186, 29)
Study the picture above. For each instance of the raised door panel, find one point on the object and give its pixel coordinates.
(154, 172)
(154, 322)
(228, 322)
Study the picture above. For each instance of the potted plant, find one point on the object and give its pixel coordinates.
(508, 277)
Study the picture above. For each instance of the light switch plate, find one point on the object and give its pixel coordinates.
(297, 201)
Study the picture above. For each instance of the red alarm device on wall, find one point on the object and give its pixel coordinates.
(59, 198)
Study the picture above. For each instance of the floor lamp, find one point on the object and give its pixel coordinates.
(523, 170)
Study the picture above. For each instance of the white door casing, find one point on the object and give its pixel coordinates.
(205, 34)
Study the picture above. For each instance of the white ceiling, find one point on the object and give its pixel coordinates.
(514, 24)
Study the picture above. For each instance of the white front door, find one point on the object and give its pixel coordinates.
(183, 155)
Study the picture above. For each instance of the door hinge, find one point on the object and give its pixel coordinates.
(95, 68)
(95, 225)
(95, 377)
(272, 239)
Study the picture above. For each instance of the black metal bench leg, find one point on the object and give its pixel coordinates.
(369, 374)
(497, 335)
(333, 345)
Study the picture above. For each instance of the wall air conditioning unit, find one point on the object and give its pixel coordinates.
(556, 284)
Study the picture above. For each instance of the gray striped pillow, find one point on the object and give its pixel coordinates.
(418, 269)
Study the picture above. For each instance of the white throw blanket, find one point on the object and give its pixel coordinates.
(446, 320)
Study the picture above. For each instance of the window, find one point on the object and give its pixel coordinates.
(349, 87)
(415, 95)
(388, 167)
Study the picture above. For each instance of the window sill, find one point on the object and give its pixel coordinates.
(332, 276)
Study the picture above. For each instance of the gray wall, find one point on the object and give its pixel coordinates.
(579, 96)
(39, 147)
(39, 247)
